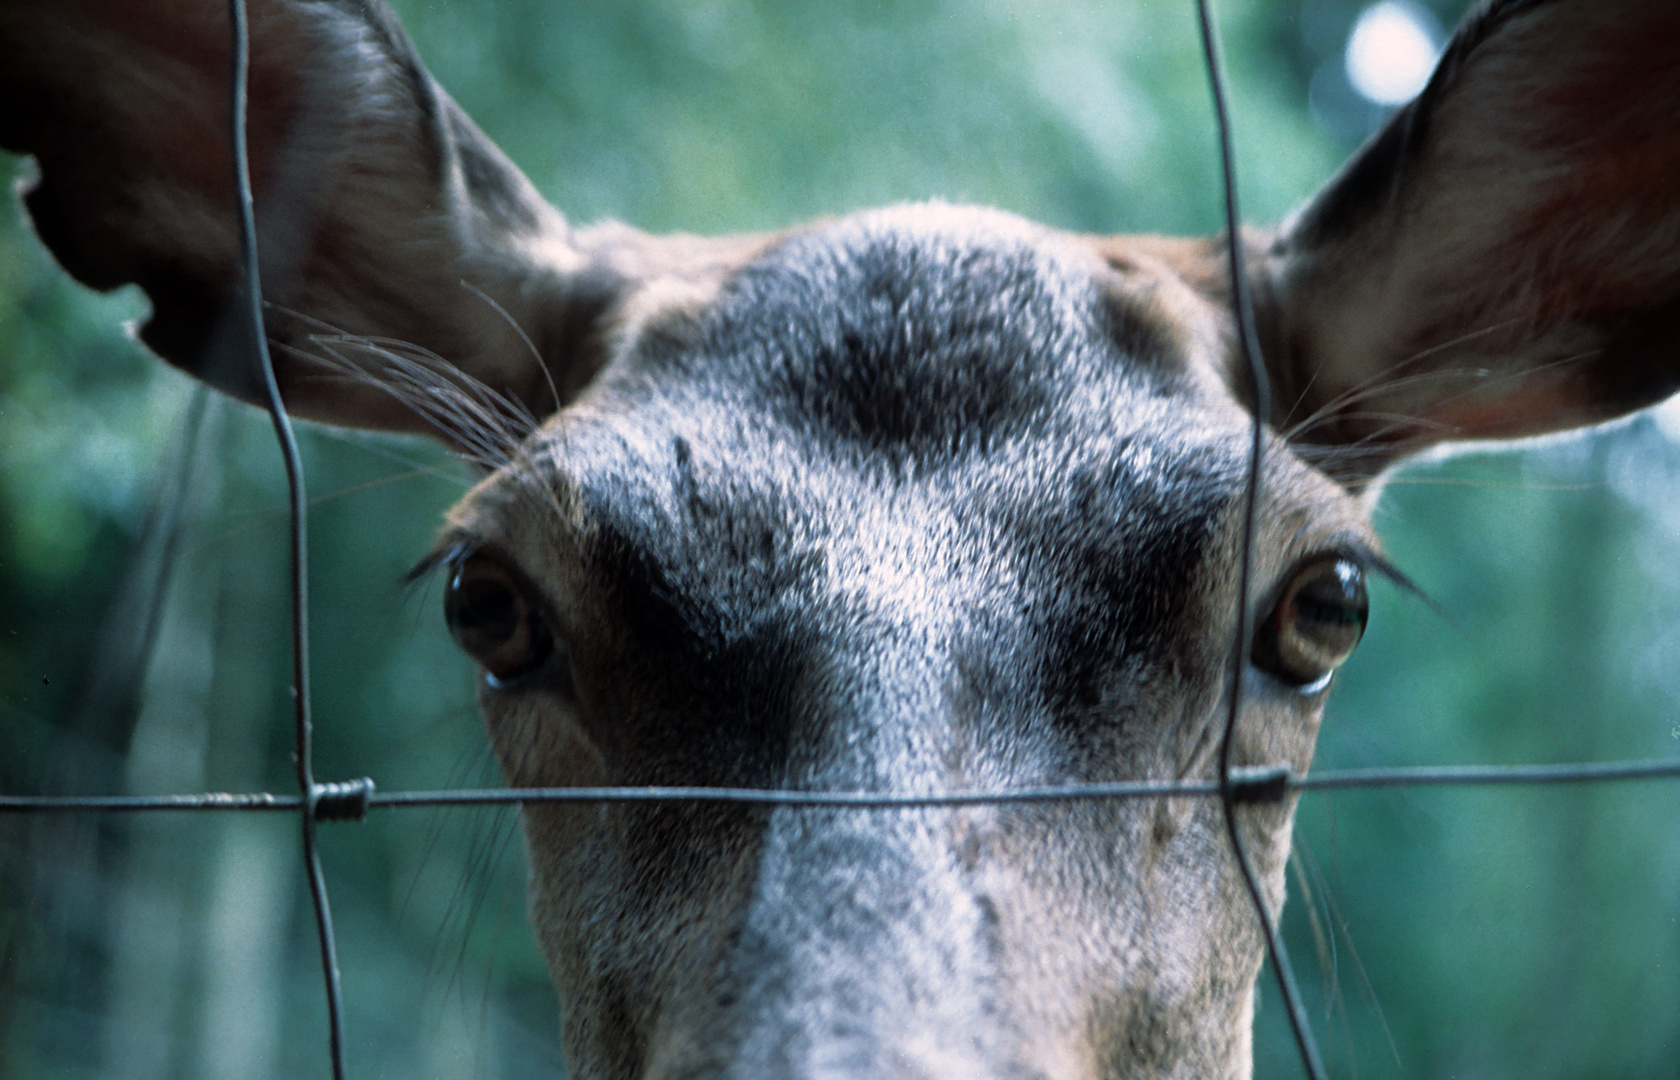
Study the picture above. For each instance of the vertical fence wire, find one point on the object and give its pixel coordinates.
(1242, 309)
(1234, 786)
(303, 728)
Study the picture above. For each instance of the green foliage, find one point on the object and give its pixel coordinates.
(1487, 934)
(1507, 932)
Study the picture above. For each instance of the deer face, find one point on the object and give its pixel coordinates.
(737, 562)
(912, 501)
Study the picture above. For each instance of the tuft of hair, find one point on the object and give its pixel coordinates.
(483, 425)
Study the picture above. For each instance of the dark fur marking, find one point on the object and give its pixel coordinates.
(936, 353)
(924, 349)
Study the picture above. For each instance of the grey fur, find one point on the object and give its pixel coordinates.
(918, 499)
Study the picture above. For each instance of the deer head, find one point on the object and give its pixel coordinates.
(914, 500)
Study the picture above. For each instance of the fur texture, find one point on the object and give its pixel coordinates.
(918, 499)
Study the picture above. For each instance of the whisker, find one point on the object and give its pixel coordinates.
(375, 445)
(430, 395)
(487, 423)
(1339, 922)
(536, 356)
(1381, 382)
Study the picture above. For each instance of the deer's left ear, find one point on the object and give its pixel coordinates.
(1504, 258)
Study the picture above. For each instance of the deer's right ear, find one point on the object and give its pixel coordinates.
(1504, 258)
(397, 241)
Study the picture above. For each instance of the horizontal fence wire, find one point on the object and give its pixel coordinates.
(1251, 784)
(353, 800)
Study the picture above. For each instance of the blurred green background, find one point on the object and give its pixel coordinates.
(1463, 934)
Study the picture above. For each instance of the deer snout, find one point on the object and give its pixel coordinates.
(867, 949)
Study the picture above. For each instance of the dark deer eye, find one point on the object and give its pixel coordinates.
(493, 620)
(1317, 620)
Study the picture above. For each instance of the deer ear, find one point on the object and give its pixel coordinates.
(403, 257)
(1504, 258)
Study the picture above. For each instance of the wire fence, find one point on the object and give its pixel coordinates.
(1234, 786)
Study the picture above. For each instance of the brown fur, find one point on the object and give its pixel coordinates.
(923, 499)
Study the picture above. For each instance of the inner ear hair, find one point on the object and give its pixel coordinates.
(1503, 259)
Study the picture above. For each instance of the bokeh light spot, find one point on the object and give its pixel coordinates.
(1391, 52)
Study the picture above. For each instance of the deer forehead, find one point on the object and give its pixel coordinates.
(924, 418)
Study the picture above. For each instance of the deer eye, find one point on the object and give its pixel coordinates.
(1317, 620)
(493, 619)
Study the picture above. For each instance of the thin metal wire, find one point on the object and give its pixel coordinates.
(1252, 784)
(1590, 772)
(1235, 786)
(1260, 388)
(241, 42)
(209, 800)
